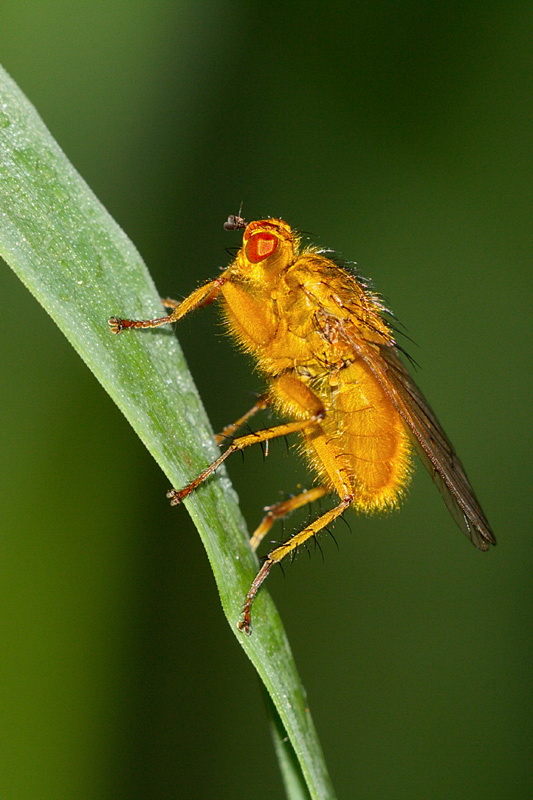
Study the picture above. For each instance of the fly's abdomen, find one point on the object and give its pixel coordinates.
(371, 439)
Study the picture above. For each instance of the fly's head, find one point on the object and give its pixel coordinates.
(269, 246)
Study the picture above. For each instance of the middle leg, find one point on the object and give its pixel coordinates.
(310, 410)
(176, 496)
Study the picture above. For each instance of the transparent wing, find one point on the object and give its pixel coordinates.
(435, 449)
(437, 452)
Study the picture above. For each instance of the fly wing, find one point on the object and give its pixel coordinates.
(437, 452)
(435, 449)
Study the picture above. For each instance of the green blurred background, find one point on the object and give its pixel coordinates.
(398, 133)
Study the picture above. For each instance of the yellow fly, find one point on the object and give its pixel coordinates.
(330, 361)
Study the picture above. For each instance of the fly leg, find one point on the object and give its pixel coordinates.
(168, 302)
(311, 412)
(262, 402)
(176, 496)
(296, 397)
(200, 297)
(283, 508)
(283, 550)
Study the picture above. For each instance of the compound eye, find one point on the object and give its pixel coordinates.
(260, 246)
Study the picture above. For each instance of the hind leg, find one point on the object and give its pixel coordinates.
(228, 431)
(279, 553)
(280, 510)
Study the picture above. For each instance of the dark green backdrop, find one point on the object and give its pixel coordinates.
(398, 133)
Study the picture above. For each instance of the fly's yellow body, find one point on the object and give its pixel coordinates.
(280, 310)
(331, 365)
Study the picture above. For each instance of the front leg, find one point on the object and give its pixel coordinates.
(200, 297)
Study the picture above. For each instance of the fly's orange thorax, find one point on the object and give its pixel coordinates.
(286, 306)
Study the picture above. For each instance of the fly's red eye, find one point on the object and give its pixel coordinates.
(260, 246)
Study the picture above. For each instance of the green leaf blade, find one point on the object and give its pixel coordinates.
(83, 269)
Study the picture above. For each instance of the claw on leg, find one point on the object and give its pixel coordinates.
(176, 496)
(245, 624)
